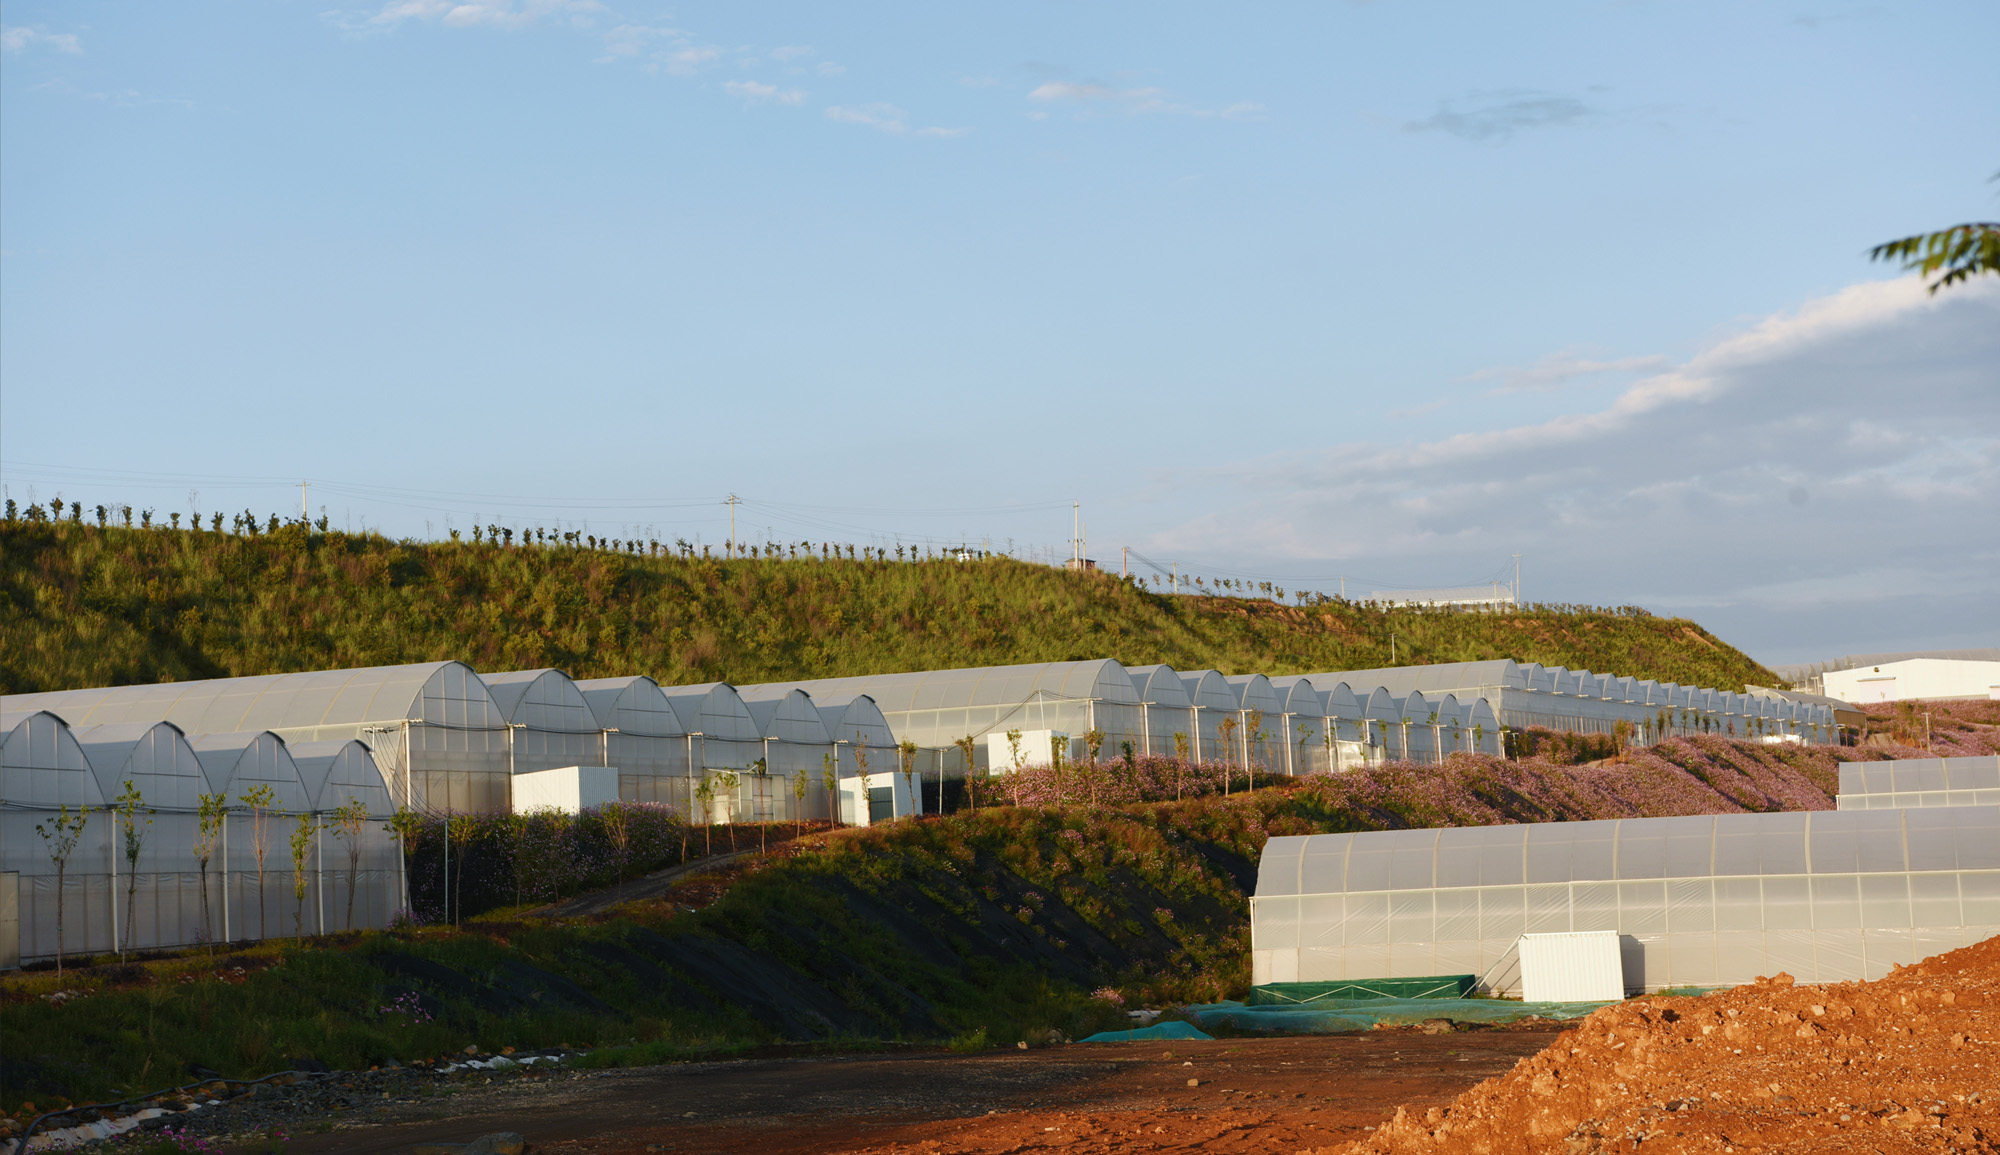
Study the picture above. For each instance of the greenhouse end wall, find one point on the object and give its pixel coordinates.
(1699, 901)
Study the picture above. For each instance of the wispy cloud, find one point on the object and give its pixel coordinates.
(116, 97)
(757, 93)
(20, 38)
(470, 13)
(1135, 101)
(1553, 370)
(1500, 114)
(886, 118)
(789, 52)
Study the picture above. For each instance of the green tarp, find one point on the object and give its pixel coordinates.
(1173, 1030)
(1330, 1016)
(1430, 987)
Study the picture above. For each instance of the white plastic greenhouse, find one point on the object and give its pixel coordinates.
(552, 724)
(643, 738)
(1699, 901)
(1920, 782)
(147, 891)
(439, 737)
(797, 744)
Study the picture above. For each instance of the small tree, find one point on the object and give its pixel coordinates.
(60, 836)
(618, 832)
(1254, 737)
(1014, 749)
(211, 811)
(132, 835)
(830, 774)
(1227, 732)
(799, 802)
(704, 793)
(727, 782)
(260, 799)
(1180, 761)
(348, 823)
(405, 824)
(861, 767)
(906, 752)
(301, 840)
(460, 829)
(762, 786)
(968, 748)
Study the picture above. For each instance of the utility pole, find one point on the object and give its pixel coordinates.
(305, 510)
(1076, 535)
(1517, 579)
(1124, 561)
(732, 501)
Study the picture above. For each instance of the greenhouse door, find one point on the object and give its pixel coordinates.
(881, 804)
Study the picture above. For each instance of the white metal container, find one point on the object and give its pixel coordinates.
(568, 788)
(1037, 748)
(1580, 966)
(883, 795)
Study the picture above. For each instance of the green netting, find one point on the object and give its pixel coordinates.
(1172, 1030)
(1328, 1016)
(1431, 987)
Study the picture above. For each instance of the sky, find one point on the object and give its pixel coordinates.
(1343, 296)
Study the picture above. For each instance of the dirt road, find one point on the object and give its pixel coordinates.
(1252, 1094)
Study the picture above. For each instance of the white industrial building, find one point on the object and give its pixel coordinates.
(1915, 679)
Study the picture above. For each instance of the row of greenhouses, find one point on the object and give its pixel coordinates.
(442, 738)
(141, 835)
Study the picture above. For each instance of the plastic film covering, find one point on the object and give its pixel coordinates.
(1165, 709)
(935, 708)
(797, 743)
(1920, 782)
(442, 741)
(643, 738)
(859, 730)
(1304, 723)
(1702, 901)
(1260, 712)
(552, 724)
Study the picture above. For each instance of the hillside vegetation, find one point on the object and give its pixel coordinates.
(83, 605)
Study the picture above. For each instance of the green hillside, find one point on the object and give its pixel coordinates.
(82, 605)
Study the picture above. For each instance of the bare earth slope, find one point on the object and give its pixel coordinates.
(1908, 1063)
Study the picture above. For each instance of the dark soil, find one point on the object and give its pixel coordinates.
(1254, 1094)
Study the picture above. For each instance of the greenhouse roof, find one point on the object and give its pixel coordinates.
(1701, 846)
(541, 700)
(1444, 678)
(634, 705)
(439, 693)
(1101, 679)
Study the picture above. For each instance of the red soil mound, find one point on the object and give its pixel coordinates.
(1908, 1063)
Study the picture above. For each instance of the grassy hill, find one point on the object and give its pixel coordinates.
(83, 605)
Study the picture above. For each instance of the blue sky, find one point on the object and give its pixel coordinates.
(1385, 291)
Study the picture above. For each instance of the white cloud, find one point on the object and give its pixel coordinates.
(1501, 114)
(829, 68)
(1135, 101)
(20, 38)
(1792, 477)
(1555, 369)
(790, 52)
(887, 118)
(756, 93)
(472, 13)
